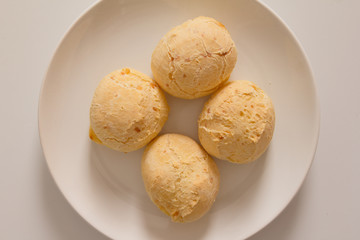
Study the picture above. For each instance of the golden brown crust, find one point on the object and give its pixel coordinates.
(193, 59)
(180, 177)
(237, 122)
(128, 110)
(93, 136)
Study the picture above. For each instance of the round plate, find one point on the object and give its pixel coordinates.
(106, 187)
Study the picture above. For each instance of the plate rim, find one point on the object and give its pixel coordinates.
(73, 24)
(316, 109)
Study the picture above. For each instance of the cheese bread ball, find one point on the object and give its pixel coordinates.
(180, 177)
(237, 123)
(127, 111)
(194, 58)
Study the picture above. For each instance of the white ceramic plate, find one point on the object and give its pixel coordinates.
(105, 186)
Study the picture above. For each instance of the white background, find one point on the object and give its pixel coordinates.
(326, 207)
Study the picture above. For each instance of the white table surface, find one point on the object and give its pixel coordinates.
(326, 207)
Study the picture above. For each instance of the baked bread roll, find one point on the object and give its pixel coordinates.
(180, 177)
(237, 122)
(127, 111)
(193, 59)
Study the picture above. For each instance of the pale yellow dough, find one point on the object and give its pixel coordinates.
(237, 123)
(193, 59)
(127, 111)
(180, 177)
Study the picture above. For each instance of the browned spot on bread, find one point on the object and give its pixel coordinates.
(176, 214)
(93, 136)
(219, 24)
(125, 71)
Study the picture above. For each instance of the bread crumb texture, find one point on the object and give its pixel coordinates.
(180, 177)
(127, 111)
(237, 122)
(193, 59)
